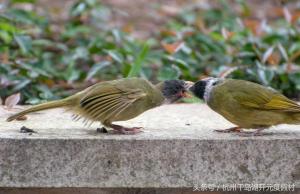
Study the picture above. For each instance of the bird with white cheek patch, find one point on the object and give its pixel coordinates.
(247, 104)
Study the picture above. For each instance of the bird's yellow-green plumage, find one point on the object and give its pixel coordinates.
(108, 101)
(250, 105)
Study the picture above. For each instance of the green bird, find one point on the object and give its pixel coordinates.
(117, 100)
(247, 104)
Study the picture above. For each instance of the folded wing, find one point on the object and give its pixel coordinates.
(105, 102)
(259, 97)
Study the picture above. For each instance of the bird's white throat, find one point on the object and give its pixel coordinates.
(209, 86)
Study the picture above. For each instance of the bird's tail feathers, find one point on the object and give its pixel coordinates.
(47, 105)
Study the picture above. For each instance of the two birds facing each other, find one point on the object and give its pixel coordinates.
(246, 104)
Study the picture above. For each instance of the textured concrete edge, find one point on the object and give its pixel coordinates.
(121, 191)
(104, 163)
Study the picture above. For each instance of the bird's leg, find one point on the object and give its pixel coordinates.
(229, 130)
(125, 130)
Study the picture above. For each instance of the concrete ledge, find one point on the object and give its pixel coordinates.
(177, 150)
(123, 191)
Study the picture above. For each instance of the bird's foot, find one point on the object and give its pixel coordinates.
(126, 130)
(131, 131)
(229, 130)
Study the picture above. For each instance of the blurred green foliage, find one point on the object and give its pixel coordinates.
(219, 41)
(45, 61)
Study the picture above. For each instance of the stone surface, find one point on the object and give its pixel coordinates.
(125, 191)
(178, 149)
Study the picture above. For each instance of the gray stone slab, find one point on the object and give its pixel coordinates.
(178, 149)
(125, 191)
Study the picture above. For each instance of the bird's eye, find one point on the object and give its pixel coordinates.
(215, 83)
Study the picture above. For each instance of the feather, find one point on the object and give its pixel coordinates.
(87, 100)
(107, 113)
(119, 109)
(252, 95)
(99, 110)
(99, 102)
(111, 101)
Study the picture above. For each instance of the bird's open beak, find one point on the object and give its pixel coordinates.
(188, 85)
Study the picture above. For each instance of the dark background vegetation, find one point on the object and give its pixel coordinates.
(51, 49)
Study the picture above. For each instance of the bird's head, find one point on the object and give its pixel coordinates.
(174, 90)
(202, 88)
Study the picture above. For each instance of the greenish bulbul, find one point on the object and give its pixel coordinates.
(117, 100)
(247, 104)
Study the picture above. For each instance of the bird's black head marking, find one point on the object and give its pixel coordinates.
(203, 87)
(174, 89)
(198, 88)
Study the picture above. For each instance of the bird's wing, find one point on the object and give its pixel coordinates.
(256, 96)
(107, 101)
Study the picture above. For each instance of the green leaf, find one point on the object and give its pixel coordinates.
(91, 2)
(295, 78)
(96, 68)
(137, 64)
(178, 61)
(33, 100)
(26, 17)
(295, 47)
(283, 52)
(80, 53)
(78, 9)
(115, 56)
(24, 43)
(20, 85)
(22, 1)
(72, 73)
(33, 70)
(169, 72)
(117, 35)
(265, 75)
(6, 37)
(7, 27)
(45, 92)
